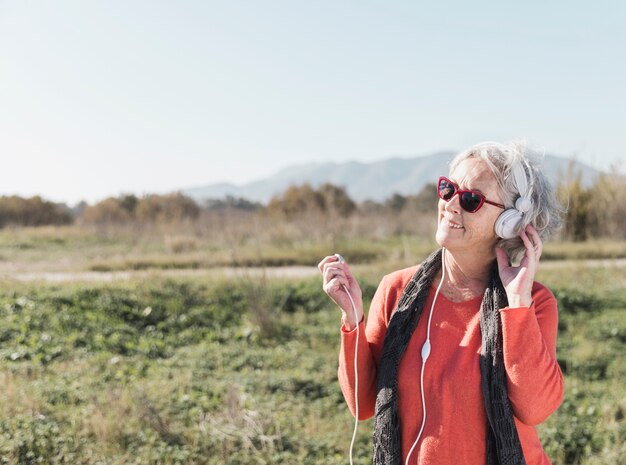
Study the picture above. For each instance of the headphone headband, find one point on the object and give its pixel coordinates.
(508, 223)
(519, 175)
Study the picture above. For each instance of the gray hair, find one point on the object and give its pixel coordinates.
(545, 212)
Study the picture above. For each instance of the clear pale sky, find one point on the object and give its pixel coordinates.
(103, 97)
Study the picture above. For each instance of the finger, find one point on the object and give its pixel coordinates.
(501, 256)
(526, 240)
(536, 239)
(325, 260)
(333, 266)
(320, 265)
(336, 293)
(535, 242)
(330, 273)
(337, 276)
(339, 282)
(332, 288)
(530, 249)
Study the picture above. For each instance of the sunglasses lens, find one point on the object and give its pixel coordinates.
(470, 202)
(446, 190)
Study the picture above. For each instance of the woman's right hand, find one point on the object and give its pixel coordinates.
(335, 275)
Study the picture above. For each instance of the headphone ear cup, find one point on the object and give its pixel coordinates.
(507, 224)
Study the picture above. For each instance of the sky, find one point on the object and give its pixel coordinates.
(100, 98)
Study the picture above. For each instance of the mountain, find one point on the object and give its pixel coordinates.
(377, 180)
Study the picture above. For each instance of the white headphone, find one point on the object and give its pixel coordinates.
(510, 220)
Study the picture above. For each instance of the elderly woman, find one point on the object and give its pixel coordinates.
(457, 359)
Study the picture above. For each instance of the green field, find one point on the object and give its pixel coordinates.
(243, 371)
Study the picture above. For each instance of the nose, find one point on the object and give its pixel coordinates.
(453, 205)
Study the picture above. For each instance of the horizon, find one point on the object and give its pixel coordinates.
(239, 185)
(153, 98)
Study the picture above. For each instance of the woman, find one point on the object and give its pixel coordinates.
(457, 359)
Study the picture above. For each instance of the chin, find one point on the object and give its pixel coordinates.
(442, 237)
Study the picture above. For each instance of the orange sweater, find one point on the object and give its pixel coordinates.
(455, 430)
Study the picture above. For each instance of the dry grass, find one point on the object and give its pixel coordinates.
(243, 239)
(18, 395)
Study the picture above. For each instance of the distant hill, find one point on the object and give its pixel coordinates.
(377, 180)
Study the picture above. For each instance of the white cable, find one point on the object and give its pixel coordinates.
(356, 375)
(426, 354)
(356, 371)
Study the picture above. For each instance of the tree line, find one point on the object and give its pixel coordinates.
(593, 211)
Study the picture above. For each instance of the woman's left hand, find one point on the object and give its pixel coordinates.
(518, 280)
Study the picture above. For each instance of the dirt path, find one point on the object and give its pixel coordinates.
(231, 272)
(108, 276)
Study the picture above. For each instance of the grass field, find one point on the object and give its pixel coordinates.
(243, 371)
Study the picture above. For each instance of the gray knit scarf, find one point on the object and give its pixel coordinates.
(503, 444)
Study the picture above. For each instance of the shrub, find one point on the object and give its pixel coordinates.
(18, 211)
(301, 200)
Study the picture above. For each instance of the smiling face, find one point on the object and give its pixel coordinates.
(458, 230)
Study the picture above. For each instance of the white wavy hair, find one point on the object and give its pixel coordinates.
(545, 212)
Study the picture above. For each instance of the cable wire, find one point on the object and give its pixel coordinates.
(356, 375)
(425, 354)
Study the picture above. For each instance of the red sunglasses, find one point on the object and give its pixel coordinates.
(470, 201)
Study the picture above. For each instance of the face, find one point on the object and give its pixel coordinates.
(459, 230)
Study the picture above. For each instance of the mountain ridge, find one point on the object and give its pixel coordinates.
(377, 180)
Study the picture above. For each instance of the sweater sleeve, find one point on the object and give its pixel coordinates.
(370, 343)
(534, 378)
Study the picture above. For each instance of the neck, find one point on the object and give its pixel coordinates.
(466, 276)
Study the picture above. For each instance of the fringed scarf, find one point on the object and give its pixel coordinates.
(503, 444)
